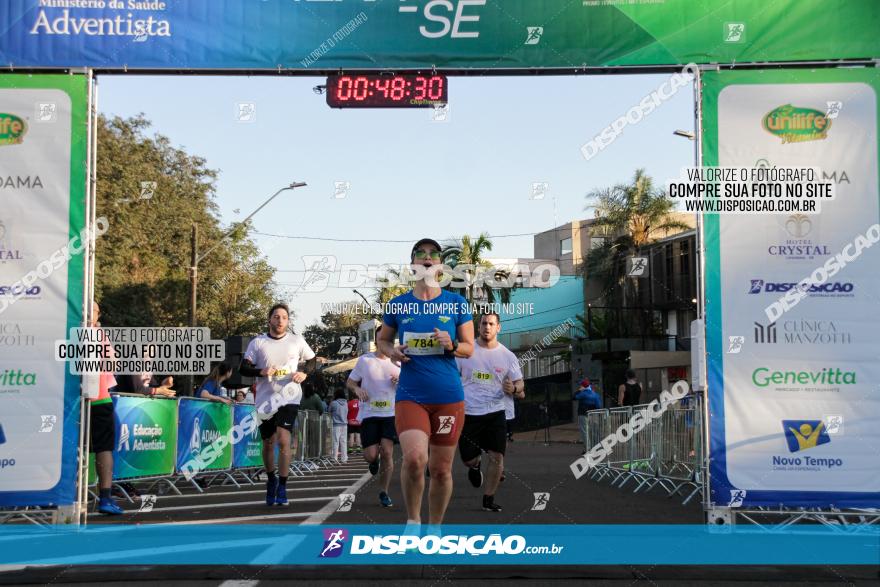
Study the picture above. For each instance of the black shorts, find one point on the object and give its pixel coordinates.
(102, 428)
(354, 429)
(285, 418)
(374, 429)
(486, 432)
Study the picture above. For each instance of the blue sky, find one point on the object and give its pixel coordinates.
(410, 176)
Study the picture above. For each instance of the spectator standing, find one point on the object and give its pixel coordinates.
(354, 423)
(630, 392)
(339, 412)
(587, 400)
(311, 400)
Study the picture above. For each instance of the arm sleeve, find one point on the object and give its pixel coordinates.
(248, 366)
(248, 369)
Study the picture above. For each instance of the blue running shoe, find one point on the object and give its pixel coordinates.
(271, 489)
(281, 495)
(385, 500)
(106, 505)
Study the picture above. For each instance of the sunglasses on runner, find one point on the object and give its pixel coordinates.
(420, 254)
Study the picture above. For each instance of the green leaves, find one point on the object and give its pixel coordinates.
(152, 193)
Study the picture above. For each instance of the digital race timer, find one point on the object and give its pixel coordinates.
(386, 91)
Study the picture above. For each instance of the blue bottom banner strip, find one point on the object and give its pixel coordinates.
(278, 544)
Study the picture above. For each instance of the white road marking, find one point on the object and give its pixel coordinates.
(325, 512)
(205, 506)
(242, 519)
(209, 494)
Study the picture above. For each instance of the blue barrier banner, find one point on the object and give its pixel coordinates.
(247, 452)
(451, 545)
(203, 435)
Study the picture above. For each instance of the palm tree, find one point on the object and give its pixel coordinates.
(631, 216)
(469, 251)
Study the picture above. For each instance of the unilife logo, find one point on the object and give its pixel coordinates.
(796, 125)
(12, 129)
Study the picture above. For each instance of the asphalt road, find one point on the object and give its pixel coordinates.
(532, 467)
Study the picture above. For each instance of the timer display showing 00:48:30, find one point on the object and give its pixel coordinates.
(383, 91)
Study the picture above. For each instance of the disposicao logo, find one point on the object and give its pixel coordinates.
(804, 434)
(334, 540)
(796, 125)
(12, 129)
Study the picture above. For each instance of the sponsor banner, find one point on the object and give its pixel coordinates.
(480, 34)
(42, 190)
(793, 387)
(146, 433)
(248, 451)
(512, 544)
(199, 424)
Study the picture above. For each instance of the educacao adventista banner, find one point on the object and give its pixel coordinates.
(465, 34)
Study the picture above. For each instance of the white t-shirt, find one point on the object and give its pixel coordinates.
(284, 354)
(374, 375)
(482, 375)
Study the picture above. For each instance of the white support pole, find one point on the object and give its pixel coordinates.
(701, 286)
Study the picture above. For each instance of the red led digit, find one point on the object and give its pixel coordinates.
(361, 85)
(435, 88)
(382, 86)
(343, 89)
(421, 90)
(397, 88)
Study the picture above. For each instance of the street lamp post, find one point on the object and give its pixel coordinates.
(196, 258)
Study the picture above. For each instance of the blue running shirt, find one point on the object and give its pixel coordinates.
(430, 376)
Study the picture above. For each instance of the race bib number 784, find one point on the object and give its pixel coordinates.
(421, 343)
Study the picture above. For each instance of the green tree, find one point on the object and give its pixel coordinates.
(470, 251)
(142, 262)
(630, 216)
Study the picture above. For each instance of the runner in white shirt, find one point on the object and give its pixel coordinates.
(374, 382)
(274, 359)
(490, 375)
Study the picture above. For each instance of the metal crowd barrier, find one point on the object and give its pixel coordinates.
(668, 452)
(311, 444)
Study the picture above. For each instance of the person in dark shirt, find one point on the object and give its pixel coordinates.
(629, 393)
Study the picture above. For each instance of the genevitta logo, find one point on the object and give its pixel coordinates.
(830, 289)
(826, 379)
